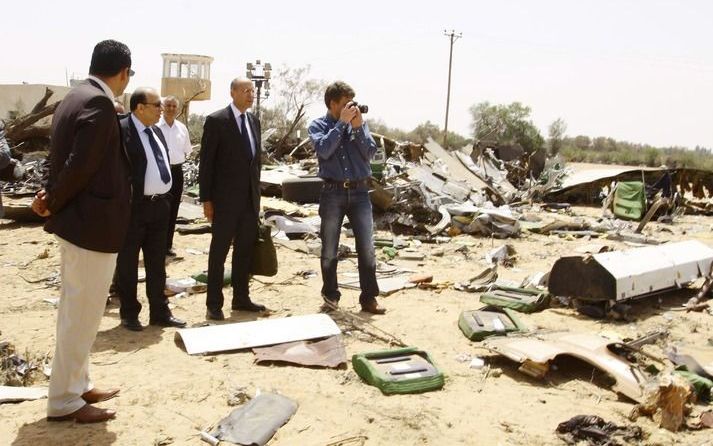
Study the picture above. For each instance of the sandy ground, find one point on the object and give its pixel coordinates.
(167, 396)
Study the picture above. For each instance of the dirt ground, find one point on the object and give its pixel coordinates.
(167, 396)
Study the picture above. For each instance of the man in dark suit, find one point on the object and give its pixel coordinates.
(229, 178)
(87, 199)
(150, 211)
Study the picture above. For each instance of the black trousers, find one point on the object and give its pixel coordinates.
(240, 229)
(176, 195)
(147, 233)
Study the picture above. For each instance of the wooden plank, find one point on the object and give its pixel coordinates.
(241, 335)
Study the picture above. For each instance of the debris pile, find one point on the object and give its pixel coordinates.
(15, 369)
(595, 430)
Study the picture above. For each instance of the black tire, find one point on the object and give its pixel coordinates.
(302, 190)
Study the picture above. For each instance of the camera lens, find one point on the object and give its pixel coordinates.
(364, 108)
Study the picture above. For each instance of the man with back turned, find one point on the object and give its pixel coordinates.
(87, 198)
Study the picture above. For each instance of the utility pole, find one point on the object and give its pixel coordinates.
(453, 36)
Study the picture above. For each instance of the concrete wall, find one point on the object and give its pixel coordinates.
(185, 89)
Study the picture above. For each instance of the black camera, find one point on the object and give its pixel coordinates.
(362, 108)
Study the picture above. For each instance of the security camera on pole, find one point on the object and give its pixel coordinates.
(260, 75)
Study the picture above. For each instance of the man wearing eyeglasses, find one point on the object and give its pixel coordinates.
(179, 147)
(229, 179)
(87, 199)
(150, 209)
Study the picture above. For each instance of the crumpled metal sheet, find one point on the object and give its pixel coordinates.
(295, 226)
(499, 222)
(595, 431)
(329, 352)
(489, 224)
(480, 282)
(535, 352)
(454, 166)
(256, 422)
(697, 359)
(502, 255)
(487, 170)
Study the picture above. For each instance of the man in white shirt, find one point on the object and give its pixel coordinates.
(151, 203)
(179, 148)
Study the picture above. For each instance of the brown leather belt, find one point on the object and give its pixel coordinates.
(348, 184)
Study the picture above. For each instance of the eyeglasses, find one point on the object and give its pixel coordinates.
(131, 72)
(155, 104)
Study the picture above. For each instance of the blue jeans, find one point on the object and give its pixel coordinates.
(335, 202)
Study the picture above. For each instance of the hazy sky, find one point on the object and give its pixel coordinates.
(640, 70)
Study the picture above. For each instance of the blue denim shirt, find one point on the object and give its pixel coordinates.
(343, 152)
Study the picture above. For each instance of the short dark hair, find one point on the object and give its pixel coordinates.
(137, 97)
(336, 91)
(109, 58)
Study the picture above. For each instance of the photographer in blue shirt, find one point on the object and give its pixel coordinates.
(344, 148)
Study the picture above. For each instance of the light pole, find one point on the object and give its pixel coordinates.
(453, 36)
(260, 75)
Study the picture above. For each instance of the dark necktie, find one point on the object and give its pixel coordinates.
(158, 156)
(245, 137)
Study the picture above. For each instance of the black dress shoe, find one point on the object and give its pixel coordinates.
(168, 321)
(216, 315)
(132, 324)
(248, 306)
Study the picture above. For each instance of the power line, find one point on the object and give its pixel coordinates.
(453, 37)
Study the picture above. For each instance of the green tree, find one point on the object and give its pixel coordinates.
(506, 124)
(556, 133)
(380, 127)
(423, 131)
(195, 127)
(293, 91)
(582, 142)
(604, 144)
(419, 134)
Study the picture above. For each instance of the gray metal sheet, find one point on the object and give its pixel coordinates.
(652, 268)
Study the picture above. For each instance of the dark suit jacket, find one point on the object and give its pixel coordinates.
(137, 155)
(226, 176)
(88, 188)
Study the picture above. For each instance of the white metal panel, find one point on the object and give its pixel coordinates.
(225, 337)
(644, 270)
(10, 394)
